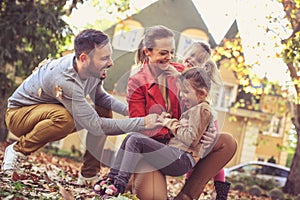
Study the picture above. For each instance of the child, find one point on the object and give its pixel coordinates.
(179, 155)
(195, 56)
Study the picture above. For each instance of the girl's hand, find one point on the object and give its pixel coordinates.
(171, 71)
(209, 137)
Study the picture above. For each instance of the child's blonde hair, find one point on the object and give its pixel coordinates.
(197, 78)
(212, 71)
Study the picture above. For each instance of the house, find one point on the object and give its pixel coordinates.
(260, 124)
(260, 133)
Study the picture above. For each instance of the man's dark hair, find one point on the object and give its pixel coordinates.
(88, 39)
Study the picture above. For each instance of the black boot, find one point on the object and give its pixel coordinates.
(222, 189)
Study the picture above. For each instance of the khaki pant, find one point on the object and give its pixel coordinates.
(37, 125)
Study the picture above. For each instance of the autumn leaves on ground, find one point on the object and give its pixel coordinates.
(51, 177)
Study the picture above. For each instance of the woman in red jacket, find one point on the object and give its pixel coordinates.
(153, 90)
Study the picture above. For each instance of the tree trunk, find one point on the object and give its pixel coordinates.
(6, 88)
(292, 184)
(293, 180)
(3, 129)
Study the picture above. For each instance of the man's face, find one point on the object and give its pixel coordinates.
(100, 61)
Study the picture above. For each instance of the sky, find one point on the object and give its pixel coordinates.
(251, 16)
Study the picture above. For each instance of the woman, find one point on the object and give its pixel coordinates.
(153, 90)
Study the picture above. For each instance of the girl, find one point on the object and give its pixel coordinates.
(183, 149)
(198, 55)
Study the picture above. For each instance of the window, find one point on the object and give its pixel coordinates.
(268, 170)
(224, 96)
(275, 125)
(127, 35)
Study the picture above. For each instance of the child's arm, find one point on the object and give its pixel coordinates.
(171, 71)
(198, 119)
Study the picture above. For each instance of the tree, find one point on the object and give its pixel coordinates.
(291, 56)
(230, 54)
(31, 30)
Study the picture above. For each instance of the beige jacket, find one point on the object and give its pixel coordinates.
(187, 138)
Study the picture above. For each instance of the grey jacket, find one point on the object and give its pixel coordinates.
(57, 82)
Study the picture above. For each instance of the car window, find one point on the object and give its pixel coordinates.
(254, 169)
(250, 169)
(268, 170)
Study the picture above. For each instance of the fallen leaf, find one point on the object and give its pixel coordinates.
(65, 194)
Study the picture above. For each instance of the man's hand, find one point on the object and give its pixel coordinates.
(163, 118)
(151, 121)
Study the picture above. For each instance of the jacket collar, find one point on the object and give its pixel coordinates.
(150, 77)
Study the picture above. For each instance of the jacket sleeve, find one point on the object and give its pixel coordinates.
(198, 120)
(137, 105)
(85, 116)
(102, 98)
(136, 99)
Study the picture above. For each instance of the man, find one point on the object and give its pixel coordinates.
(51, 103)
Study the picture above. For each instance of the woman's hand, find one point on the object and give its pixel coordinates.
(209, 137)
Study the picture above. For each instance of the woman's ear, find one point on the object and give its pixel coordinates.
(146, 52)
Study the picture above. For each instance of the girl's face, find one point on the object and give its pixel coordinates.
(162, 53)
(194, 57)
(189, 96)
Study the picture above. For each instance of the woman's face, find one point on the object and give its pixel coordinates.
(162, 53)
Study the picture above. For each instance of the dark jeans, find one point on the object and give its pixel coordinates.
(169, 160)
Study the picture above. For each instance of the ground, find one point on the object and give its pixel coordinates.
(47, 176)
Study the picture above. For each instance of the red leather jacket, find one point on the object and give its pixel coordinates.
(144, 97)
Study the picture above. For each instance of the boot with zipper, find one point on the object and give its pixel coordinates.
(222, 189)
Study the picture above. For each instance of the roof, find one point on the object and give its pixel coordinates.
(261, 163)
